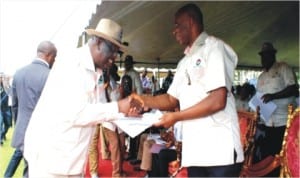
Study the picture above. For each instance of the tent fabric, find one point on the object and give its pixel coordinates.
(244, 25)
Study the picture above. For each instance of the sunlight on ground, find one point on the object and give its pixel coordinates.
(6, 152)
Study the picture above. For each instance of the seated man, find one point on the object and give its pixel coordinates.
(146, 140)
(165, 152)
(171, 153)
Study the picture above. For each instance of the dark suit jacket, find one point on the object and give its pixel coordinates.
(27, 86)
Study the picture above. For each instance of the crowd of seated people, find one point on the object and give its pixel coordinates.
(156, 151)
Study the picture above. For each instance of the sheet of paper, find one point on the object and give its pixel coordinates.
(157, 147)
(266, 109)
(134, 126)
(153, 136)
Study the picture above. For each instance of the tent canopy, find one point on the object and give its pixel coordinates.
(244, 25)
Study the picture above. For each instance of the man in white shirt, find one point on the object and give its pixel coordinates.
(63, 122)
(129, 70)
(202, 84)
(278, 84)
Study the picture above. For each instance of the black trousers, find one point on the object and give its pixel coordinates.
(271, 145)
(165, 156)
(160, 163)
(215, 171)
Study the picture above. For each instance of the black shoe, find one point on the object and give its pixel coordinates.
(134, 162)
(130, 157)
(137, 169)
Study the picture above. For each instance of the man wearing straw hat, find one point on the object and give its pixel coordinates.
(63, 122)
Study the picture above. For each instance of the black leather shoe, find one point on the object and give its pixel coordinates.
(137, 169)
(130, 157)
(134, 162)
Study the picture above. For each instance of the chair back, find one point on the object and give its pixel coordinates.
(175, 166)
(288, 158)
(290, 146)
(248, 122)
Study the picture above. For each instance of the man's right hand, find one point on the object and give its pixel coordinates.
(140, 99)
(131, 106)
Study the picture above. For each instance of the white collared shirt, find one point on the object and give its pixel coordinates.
(276, 79)
(63, 122)
(209, 141)
(114, 96)
(136, 81)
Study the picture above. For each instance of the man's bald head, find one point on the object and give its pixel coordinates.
(46, 50)
(46, 47)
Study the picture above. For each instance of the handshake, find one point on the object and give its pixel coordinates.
(135, 105)
(132, 106)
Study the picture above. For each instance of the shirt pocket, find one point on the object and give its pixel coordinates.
(197, 70)
(275, 83)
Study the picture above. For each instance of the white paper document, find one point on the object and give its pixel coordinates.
(266, 109)
(133, 126)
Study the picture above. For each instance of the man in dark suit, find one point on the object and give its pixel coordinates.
(27, 86)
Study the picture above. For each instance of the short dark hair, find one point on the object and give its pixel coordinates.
(126, 84)
(193, 11)
(114, 72)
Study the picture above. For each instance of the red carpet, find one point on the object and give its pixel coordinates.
(105, 169)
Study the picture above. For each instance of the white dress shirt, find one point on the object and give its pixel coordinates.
(63, 122)
(208, 141)
(114, 96)
(279, 76)
(136, 82)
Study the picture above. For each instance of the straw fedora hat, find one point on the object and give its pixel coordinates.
(110, 31)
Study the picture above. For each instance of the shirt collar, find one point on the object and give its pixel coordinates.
(86, 59)
(42, 60)
(87, 62)
(200, 40)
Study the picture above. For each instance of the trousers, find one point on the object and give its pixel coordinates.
(14, 163)
(116, 143)
(215, 171)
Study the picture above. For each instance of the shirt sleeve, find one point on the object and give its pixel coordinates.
(177, 81)
(215, 70)
(288, 75)
(92, 114)
(221, 61)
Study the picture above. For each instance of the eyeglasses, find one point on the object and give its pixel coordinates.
(113, 48)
